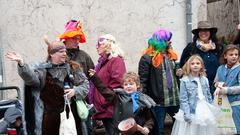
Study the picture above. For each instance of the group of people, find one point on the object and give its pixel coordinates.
(146, 96)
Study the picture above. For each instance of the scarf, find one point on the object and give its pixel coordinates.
(168, 74)
(135, 97)
(59, 72)
(205, 47)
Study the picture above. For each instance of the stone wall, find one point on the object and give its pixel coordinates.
(225, 15)
(24, 22)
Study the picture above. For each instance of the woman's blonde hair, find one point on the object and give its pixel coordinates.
(186, 67)
(113, 47)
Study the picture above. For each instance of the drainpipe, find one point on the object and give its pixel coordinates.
(239, 11)
(1, 66)
(189, 20)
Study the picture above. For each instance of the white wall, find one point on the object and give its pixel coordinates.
(132, 22)
(199, 9)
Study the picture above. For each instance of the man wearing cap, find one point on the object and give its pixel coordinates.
(72, 36)
(206, 45)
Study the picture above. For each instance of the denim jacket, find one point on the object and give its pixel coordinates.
(189, 94)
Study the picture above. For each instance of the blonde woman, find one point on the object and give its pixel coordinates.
(110, 69)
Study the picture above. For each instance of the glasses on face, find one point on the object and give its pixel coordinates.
(102, 41)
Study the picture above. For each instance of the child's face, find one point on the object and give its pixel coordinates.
(195, 66)
(232, 57)
(18, 122)
(129, 86)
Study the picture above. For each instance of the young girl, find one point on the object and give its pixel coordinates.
(128, 102)
(229, 73)
(196, 116)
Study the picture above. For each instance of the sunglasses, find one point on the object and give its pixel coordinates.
(103, 40)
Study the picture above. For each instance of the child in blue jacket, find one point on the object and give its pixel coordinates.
(229, 73)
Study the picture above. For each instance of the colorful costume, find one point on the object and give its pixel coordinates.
(157, 75)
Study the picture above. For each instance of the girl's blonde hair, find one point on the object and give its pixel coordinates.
(186, 67)
(229, 47)
(113, 47)
(132, 76)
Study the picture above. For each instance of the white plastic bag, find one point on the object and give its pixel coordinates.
(225, 122)
(67, 125)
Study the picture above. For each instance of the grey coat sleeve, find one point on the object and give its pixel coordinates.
(81, 90)
(29, 75)
(232, 90)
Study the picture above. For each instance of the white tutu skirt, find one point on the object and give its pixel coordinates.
(203, 121)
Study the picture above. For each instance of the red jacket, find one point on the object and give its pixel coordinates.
(111, 74)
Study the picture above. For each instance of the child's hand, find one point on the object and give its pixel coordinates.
(187, 119)
(216, 84)
(217, 92)
(179, 72)
(91, 72)
(145, 131)
(220, 91)
(99, 123)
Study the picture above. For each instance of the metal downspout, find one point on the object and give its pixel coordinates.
(1, 66)
(239, 11)
(189, 20)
